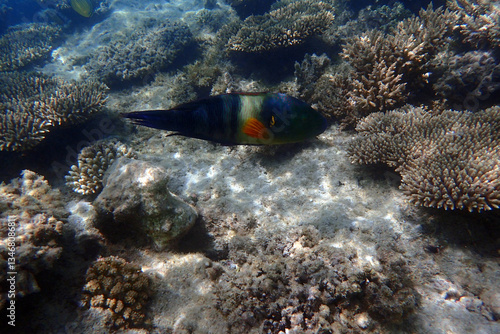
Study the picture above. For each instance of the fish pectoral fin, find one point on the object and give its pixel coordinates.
(254, 128)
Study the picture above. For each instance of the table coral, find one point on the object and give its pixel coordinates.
(93, 161)
(24, 44)
(448, 160)
(121, 287)
(143, 52)
(31, 214)
(289, 23)
(31, 105)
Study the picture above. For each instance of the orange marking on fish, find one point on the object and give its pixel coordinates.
(254, 128)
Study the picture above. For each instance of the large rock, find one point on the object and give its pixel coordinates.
(135, 202)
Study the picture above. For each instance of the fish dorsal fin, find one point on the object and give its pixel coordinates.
(254, 128)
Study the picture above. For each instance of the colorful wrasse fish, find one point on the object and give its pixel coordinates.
(83, 7)
(230, 119)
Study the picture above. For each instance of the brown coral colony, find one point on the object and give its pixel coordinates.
(121, 287)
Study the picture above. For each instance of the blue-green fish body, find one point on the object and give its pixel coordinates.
(231, 119)
(83, 7)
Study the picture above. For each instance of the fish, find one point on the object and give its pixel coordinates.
(238, 119)
(83, 7)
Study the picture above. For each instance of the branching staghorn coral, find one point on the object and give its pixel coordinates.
(93, 161)
(32, 104)
(383, 69)
(140, 53)
(121, 287)
(479, 21)
(448, 160)
(386, 65)
(24, 44)
(289, 23)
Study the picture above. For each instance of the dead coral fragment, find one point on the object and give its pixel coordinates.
(479, 21)
(449, 160)
(24, 44)
(32, 104)
(93, 161)
(121, 287)
(288, 24)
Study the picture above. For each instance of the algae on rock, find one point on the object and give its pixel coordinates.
(135, 198)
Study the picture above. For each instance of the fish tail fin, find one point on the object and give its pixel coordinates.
(158, 119)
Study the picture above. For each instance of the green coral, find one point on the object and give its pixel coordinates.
(448, 160)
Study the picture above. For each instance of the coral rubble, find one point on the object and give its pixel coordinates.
(31, 215)
(121, 287)
(93, 161)
(296, 284)
(135, 198)
(24, 44)
(289, 23)
(448, 160)
(31, 105)
(140, 53)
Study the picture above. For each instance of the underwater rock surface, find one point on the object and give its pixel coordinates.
(135, 197)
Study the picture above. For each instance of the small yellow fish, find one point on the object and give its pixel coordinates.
(83, 7)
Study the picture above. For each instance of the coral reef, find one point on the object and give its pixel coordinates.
(297, 284)
(246, 8)
(135, 198)
(289, 23)
(32, 104)
(25, 44)
(389, 66)
(93, 161)
(308, 72)
(478, 21)
(385, 69)
(121, 287)
(30, 223)
(465, 80)
(447, 160)
(383, 18)
(137, 54)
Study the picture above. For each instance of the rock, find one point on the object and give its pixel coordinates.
(135, 198)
